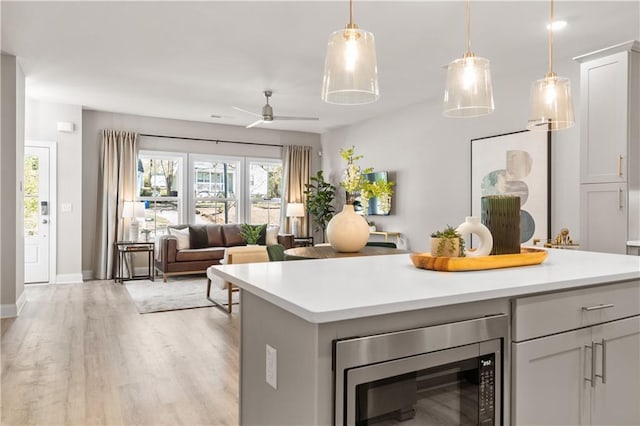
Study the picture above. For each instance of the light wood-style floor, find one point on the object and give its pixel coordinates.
(81, 354)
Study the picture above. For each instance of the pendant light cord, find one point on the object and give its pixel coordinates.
(350, 13)
(468, 29)
(550, 37)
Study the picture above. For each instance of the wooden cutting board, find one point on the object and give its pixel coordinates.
(527, 256)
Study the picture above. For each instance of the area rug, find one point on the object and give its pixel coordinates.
(175, 294)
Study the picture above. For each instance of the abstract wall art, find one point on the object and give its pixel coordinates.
(515, 164)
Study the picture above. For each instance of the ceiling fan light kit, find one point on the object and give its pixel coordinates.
(350, 70)
(551, 101)
(468, 92)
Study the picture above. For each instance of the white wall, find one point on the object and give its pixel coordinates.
(95, 121)
(11, 170)
(428, 156)
(41, 125)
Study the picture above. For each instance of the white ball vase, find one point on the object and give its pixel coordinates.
(472, 225)
(348, 232)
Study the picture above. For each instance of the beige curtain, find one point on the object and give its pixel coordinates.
(116, 184)
(295, 175)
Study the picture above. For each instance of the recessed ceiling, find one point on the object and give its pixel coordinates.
(192, 60)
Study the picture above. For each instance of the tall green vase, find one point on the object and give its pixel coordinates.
(501, 214)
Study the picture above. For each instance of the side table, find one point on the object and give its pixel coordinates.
(303, 241)
(124, 248)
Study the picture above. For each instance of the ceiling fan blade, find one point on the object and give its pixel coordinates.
(248, 112)
(255, 123)
(284, 117)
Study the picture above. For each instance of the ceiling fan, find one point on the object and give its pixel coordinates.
(267, 113)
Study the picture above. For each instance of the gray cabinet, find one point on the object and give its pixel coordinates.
(610, 147)
(575, 357)
(552, 377)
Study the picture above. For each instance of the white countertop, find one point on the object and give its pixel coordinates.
(326, 290)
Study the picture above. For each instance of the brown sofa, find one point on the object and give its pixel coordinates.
(171, 261)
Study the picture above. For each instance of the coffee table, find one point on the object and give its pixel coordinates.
(327, 252)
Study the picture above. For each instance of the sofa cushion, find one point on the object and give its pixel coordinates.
(198, 236)
(190, 255)
(182, 237)
(214, 231)
(272, 235)
(232, 237)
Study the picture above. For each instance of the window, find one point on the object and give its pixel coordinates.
(160, 187)
(215, 189)
(265, 191)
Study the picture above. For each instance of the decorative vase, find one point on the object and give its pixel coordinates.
(472, 225)
(347, 231)
(501, 214)
(450, 247)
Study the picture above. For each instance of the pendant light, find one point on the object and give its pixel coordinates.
(551, 104)
(469, 92)
(350, 70)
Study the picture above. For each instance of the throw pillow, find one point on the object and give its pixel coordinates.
(182, 237)
(198, 237)
(272, 234)
(263, 235)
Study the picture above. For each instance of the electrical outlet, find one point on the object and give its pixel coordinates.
(272, 367)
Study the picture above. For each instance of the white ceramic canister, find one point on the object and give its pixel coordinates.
(472, 225)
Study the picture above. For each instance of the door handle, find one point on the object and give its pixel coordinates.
(597, 307)
(620, 157)
(602, 376)
(45, 221)
(592, 376)
(620, 198)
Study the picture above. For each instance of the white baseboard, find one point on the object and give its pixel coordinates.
(12, 310)
(69, 278)
(87, 275)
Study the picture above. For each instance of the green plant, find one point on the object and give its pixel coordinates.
(353, 180)
(251, 233)
(449, 234)
(320, 195)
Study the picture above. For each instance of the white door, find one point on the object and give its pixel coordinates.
(36, 214)
(616, 396)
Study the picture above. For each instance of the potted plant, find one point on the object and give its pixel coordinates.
(320, 194)
(447, 243)
(251, 233)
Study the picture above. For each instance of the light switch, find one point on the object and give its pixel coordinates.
(66, 207)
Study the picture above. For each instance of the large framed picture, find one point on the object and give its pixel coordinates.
(519, 164)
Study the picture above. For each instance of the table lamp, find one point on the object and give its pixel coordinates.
(132, 210)
(295, 210)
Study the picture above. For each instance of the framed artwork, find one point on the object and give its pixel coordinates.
(519, 164)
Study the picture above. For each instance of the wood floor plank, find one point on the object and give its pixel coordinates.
(81, 354)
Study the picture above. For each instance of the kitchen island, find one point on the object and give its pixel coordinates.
(300, 308)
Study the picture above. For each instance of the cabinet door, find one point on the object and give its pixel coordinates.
(616, 397)
(548, 380)
(604, 90)
(604, 217)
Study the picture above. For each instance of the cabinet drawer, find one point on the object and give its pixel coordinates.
(546, 314)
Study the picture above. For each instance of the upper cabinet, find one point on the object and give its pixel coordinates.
(604, 124)
(610, 147)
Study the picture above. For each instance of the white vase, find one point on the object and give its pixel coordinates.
(472, 225)
(347, 231)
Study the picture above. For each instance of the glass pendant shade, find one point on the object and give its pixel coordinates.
(350, 70)
(551, 104)
(469, 92)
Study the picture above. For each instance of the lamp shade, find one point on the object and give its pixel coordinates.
(295, 210)
(133, 209)
(350, 69)
(469, 92)
(551, 104)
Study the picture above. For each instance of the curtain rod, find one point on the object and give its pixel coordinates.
(210, 140)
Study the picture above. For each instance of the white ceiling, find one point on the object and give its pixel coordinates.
(188, 60)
